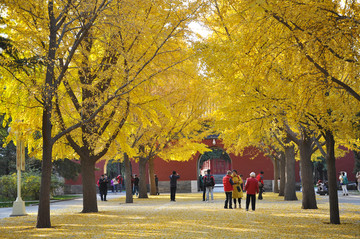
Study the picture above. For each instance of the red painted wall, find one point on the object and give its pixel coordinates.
(347, 164)
(252, 160)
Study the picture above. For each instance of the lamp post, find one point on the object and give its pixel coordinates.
(19, 204)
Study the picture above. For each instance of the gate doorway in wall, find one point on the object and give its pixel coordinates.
(217, 160)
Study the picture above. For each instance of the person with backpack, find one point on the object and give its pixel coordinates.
(343, 182)
(209, 185)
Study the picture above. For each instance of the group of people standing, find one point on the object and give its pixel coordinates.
(233, 188)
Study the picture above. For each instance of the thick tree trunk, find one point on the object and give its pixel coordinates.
(43, 218)
(307, 178)
(89, 185)
(152, 177)
(282, 174)
(332, 178)
(129, 195)
(275, 163)
(142, 178)
(290, 190)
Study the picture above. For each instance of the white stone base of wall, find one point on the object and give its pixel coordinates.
(189, 186)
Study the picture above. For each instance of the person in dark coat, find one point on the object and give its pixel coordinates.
(136, 185)
(173, 183)
(209, 182)
(103, 186)
(157, 184)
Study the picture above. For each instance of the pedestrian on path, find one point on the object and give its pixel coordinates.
(209, 184)
(103, 184)
(343, 182)
(120, 181)
(173, 183)
(228, 188)
(237, 190)
(358, 180)
(202, 185)
(251, 188)
(136, 185)
(260, 178)
(157, 184)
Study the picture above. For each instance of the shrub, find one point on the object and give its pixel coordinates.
(8, 189)
(30, 186)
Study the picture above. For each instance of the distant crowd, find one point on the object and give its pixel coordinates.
(234, 187)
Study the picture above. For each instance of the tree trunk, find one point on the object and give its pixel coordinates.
(142, 178)
(43, 218)
(275, 163)
(89, 185)
(290, 190)
(307, 178)
(332, 177)
(282, 174)
(129, 195)
(152, 177)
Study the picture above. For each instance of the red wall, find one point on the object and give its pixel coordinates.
(252, 160)
(347, 164)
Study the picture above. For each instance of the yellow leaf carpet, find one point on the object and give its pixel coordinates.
(190, 217)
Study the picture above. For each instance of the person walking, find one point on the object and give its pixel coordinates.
(120, 181)
(228, 188)
(202, 185)
(136, 185)
(358, 180)
(157, 184)
(209, 184)
(203, 188)
(103, 184)
(343, 182)
(173, 183)
(251, 188)
(260, 178)
(237, 188)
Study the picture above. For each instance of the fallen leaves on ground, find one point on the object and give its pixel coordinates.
(190, 217)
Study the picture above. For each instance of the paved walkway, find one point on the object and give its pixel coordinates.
(54, 205)
(353, 198)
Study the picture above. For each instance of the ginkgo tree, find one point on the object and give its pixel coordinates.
(178, 103)
(95, 55)
(136, 43)
(51, 32)
(288, 61)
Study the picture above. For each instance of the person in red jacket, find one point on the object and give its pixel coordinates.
(228, 188)
(251, 188)
(260, 178)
